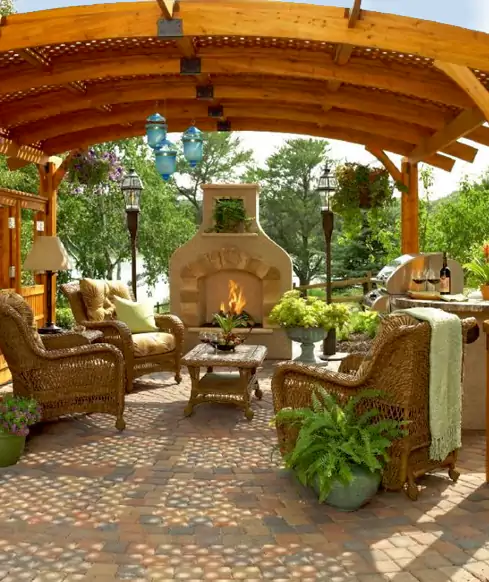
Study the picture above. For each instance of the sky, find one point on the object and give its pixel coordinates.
(472, 14)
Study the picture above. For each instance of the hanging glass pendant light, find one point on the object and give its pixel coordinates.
(193, 145)
(156, 129)
(166, 159)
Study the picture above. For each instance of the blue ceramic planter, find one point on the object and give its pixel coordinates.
(357, 493)
(307, 337)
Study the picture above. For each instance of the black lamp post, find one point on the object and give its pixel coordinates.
(326, 188)
(131, 188)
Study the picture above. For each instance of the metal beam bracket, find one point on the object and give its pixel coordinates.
(224, 125)
(170, 28)
(11, 272)
(11, 222)
(215, 111)
(190, 66)
(204, 92)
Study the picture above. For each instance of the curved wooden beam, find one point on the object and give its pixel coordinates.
(113, 132)
(268, 63)
(265, 19)
(248, 87)
(86, 120)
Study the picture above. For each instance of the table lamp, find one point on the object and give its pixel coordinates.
(49, 255)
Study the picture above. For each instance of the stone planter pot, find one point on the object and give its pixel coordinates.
(357, 493)
(11, 449)
(307, 337)
(485, 292)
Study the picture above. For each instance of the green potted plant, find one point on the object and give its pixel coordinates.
(479, 271)
(16, 415)
(361, 187)
(226, 339)
(341, 447)
(307, 320)
(230, 216)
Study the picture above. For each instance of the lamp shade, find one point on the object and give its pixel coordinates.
(156, 129)
(166, 159)
(193, 145)
(47, 254)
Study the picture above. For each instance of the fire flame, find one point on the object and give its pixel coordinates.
(236, 301)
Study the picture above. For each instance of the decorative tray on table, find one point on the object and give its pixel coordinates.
(426, 295)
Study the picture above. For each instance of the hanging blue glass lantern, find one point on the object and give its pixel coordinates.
(166, 159)
(193, 145)
(156, 129)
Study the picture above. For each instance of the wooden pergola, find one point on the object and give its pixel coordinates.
(72, 77)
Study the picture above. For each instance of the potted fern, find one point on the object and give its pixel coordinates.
(341, 447)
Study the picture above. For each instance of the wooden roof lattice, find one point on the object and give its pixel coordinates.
(72, 77)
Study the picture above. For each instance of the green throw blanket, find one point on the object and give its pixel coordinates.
(445, 379)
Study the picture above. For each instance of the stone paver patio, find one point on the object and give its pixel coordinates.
(199, 498)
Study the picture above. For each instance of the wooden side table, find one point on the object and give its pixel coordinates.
(224, 387)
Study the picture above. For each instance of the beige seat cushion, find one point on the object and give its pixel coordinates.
(152, 343)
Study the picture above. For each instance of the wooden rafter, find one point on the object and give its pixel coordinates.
(466, 79)
(344, 51)
(11, 149)
(62, 125)
(462, 125)
(204, 18)
(266, 62)
(249, 88)
(166, 7)
(35, 59)
(83, 139)
(387, 163)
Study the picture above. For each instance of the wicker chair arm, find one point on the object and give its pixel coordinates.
(319, 373)
(116, 333)
(90, 368)
(351, 363)
(70, 339)
(470, 330)
(171, 324)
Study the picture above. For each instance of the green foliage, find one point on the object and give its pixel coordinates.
(360, 187)
(478, 268)
(460, 222)
(365, 322)
(295, 311)
(64, 317)
(290, 206)
(17, 414)
(334, 435)
(7, 7)
(229, 321)
(230, 216)
(224, 160)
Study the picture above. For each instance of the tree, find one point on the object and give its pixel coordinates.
(460, 222)
(7, 7)
(92, 223)
(223, 160)
(290, 205)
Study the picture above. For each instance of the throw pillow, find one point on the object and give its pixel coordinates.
(93, 293)
(138, 316)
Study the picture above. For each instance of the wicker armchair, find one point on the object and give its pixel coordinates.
(397, 364)
(118, 334)
(64, 377)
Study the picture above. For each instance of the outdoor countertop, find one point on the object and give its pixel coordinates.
(470, 306)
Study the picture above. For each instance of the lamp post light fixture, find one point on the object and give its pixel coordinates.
(132, 187)
(165, 150)
(326, 189)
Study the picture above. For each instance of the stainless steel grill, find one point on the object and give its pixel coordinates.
(395, 279)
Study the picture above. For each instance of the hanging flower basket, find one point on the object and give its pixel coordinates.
(361, 187)
(94, 170)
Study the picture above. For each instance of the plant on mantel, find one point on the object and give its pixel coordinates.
(361, 187)
(230, 216)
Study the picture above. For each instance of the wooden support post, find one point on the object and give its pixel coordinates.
(48, 188)
(409, 209)
(4, 248)
(14, 247)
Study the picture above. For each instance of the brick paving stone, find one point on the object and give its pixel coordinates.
(174, 498)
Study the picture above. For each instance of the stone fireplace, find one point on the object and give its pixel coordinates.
(213, 270)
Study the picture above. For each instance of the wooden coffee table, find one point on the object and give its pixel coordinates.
(224, 387)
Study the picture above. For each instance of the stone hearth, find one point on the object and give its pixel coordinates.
(201, 269)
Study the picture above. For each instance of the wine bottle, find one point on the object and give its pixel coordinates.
(445, 277)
